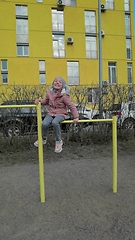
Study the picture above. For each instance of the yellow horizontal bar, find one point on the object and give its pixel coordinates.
(66, 121)
(18, 106)
(92, 120)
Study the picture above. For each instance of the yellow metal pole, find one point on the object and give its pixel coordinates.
(114, 141)
(40, 154)
(40, 148)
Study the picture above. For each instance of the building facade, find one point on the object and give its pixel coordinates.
(41, 39)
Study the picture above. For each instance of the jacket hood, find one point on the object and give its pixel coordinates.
(65, 89)
(63, 81)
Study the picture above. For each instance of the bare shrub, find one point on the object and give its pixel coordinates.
(83, 96)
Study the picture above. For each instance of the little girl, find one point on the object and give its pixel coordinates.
(57, 98)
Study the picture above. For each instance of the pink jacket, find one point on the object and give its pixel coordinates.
(58, 103)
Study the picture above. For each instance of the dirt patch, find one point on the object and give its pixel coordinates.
(80, 204)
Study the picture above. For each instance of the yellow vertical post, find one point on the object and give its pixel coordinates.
(40, 154)
(114, 141)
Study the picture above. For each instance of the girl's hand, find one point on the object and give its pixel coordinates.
(37, 101)
(75, 120)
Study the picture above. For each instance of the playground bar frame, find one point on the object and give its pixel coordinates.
(40, 148)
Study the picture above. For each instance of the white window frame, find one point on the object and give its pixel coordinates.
(70, 2)
(42, 72)
(111, 70)
(57, 20)
(110, 4)
(24, 50)
(90, 21)
(22, 10)
(127, 5)
(22, 30)
(128, 49)
(58, 46)
(73, 73)
(127, 25)
(4, 71)
(91, 47)
(129, 73)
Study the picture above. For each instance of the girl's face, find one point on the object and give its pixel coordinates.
(57, 83)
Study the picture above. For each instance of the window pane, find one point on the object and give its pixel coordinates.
(26, 53)
(22, 30)
(70, 2)
(22, 26)
(4, 78)
(22, 38)
(73, 73)
(73, 81)
(112, 72)
(129, 72)
(127, 24)
(128, 53)
(19, 51)
(91, 47)
(42, 78)
(41, 65)
(127, 7)
(57, 20)
(4, 65)
(110, 4)
(21, 10)
(22, 50)
(128, 48)
(113, 75)
(90, 22)
(58, 46)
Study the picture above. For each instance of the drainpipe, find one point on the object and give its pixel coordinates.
(100, 60)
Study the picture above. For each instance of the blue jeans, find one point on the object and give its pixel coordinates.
(55, 121)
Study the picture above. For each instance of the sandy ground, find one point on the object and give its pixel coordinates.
(80, 204)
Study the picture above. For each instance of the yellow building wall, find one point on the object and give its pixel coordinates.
(89, 72)
(7, 30)
(24, 70)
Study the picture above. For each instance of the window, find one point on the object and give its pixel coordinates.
(128, 48)
(42, 72)
(58, 34)
(58, 46)
(22, 50)
(127, 24)
(127, 5)
(110, 4)
(129, 73)
(22, 30)
(21, 11)
(73, 73)
(90, 22)
(70, 2)
(112, 72)
(4, 71)
(91, 47)
(93, 95)
(57, 20)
